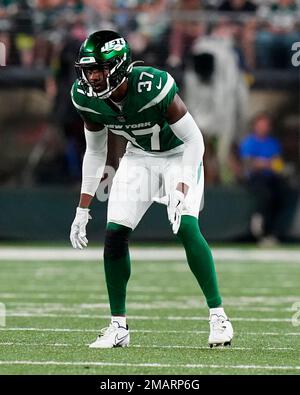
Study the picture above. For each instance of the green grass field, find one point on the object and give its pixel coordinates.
(55, 308)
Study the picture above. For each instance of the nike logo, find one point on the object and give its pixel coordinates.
(118, 340)
(159, 85)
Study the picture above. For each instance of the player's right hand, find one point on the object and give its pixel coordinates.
(78, 228)
(174, 202)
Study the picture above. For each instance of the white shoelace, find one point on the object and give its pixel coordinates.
(217, 324)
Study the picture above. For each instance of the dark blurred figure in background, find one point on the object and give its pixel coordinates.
(217, 96)
(64, 113)
(237, 6)
(21, 32)
(261, 156)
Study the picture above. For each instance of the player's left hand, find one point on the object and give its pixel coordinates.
(78, 229)
(174, 202)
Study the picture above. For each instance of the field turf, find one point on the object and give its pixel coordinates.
(55, 308)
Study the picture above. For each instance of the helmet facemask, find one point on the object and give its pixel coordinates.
(116, 75)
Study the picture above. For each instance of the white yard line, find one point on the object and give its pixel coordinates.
(147, 253)
(173, 346)
(184, 303)
(55, 308)
(95, 331)
(61, 307)
(150, 365)
(23, 344)
(141, 293)
(205, 348)
(143, 317)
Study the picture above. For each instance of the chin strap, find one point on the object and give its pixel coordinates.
(128, 71)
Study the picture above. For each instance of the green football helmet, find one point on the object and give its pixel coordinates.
(108, 50)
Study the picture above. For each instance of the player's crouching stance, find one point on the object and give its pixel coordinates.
(141, 104)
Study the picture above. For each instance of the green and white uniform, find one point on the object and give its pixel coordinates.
(141, 119)
(158, 156)
(151, 165)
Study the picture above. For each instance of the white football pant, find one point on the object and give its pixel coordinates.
(143, 176)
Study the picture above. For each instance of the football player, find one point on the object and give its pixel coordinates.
(163, 159)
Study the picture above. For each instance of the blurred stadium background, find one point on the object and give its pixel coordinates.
(231, 60)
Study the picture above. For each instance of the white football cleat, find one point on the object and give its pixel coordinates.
(221, 331)
(112, 336)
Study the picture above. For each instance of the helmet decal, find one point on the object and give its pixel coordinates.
(87, 59)
(114, 45)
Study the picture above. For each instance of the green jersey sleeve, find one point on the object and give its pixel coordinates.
(155, 88)
(169, 91)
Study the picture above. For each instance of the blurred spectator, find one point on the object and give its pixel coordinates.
(64, 113)
(52, 19)
(17, 30)
(237, 6)
(75, 6)
(7, 8)
(263, 165)
(235, 165)
(148, 36)
(210, 57)
(23, 32)
(99, 15)
(48, 15)
(276, 36)
(124, 16)
(216, 95)
(211, 163)
(245, 29)
(183, 33)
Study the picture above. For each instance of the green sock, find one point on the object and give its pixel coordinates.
(200, 259)
(117, 266)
